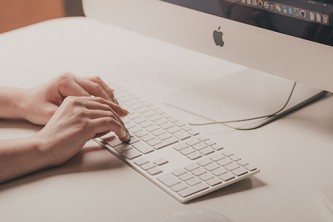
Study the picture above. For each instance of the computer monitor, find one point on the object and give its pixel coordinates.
(289, 39)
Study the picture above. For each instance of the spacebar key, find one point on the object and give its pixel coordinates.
(192, 190)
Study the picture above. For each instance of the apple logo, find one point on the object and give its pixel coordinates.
(218, 37)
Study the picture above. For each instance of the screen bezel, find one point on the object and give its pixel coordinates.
(289, 57)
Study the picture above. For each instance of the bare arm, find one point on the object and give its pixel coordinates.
(19, 157)
(11, 103)
(70, 122)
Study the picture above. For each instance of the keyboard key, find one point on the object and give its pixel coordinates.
(161, 161)
(193, 181)
(154, 117)
(152, 128)
(158, 132)
(149, 113)
(147, 166)
(217, 157)
(210, 143)
(141, 133)
(133, 140)
(219, 171)
(231, 166)
(193, 132)
(165, 143)
(242, 162)
(206, 176)
(182, 135)
(186, 176)
(202, 138)
(143, 147)
(207, 151)
(199, 146)
(114, 141)
(186, 128)
(167, 125)
(131, 154)
(123, 147)
(141, 161)
(180, 146)
(139, 120)
(213, 181)
(250, 167)
(169, 180)
(194, 156)
(187, 151)
(164, 136)
(198, 172)
(235, 158)
(179, 172)
(204, 162)
(147, 138)
(192, 190)
(217, 147)
(192, 142)
(154, 142)
(179, 187)
(227, 153)
(227, 176)
(192, 167)
(145, 124)
(179, 124)
(160, 122)
(173, 129)
(154, 171)
(224, 161)
(239, 171)
(212, 166)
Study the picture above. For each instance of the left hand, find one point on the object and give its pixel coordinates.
(41, 102)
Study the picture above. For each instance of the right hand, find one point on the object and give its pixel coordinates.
(78, 120)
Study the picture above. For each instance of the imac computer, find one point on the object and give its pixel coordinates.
(288, 39)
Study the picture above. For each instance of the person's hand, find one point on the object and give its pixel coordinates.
(41, 102)
(78, 120)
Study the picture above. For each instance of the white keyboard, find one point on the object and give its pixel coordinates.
(171, 154)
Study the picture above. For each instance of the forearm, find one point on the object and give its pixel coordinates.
(11, 103)
(19, 157)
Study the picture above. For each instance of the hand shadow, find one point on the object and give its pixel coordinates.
(91, 158)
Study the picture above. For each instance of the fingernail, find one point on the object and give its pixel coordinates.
(125, 111)
(126, 137)
(115, 100)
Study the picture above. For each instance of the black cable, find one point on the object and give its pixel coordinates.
(265, 117)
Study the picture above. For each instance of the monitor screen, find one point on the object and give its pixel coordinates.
(306, 19)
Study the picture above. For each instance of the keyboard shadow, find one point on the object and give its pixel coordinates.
(249, 183)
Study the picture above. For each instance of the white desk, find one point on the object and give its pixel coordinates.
(295, 153)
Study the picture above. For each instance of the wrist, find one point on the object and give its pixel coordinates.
(12, 103)
(40, 151)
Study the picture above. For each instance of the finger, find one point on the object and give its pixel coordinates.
(102, 125)
(93, 88)
(93, 103)
(70, 88)
(95, 114)
(101, 103)
(105, 86)
(98, 135)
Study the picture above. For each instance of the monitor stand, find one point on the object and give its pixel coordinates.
(245, 94)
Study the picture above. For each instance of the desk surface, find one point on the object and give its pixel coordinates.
(295, 153)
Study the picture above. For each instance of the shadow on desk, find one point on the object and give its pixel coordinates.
(91, 158)
(240, 186)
